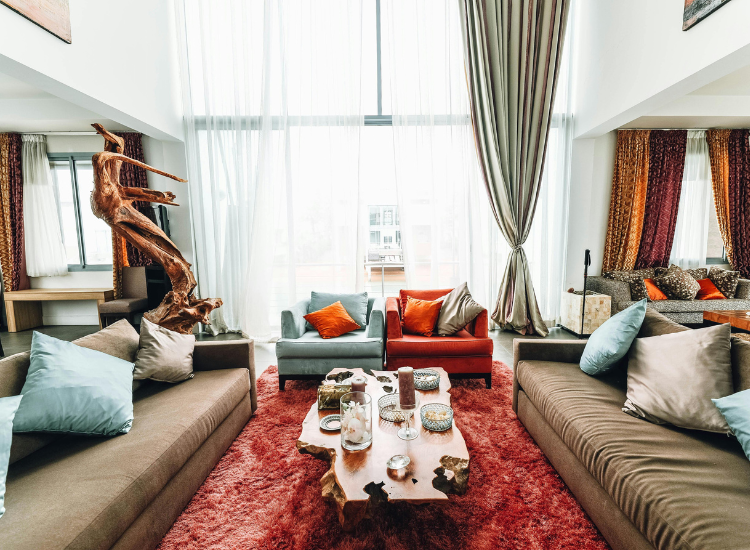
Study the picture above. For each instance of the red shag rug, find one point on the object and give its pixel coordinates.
(264, 494)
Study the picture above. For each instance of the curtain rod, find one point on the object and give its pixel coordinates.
(63, 133)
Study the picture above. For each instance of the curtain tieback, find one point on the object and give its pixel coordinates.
(517, 248)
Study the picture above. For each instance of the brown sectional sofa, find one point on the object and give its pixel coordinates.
(125, 492)
(644, 485)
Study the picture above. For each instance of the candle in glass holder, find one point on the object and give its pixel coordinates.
(359, 383)
(406, 387)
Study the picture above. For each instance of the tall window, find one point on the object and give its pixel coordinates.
(87, 239)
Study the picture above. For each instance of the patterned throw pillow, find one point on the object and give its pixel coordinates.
(677, 284)
(635, 278)
(725, 281)
(698, 273)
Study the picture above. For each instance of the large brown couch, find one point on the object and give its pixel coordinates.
(645, 486)
(126, 491)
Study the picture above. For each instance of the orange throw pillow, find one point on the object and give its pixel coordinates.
(654, 293)
(420, 316)
(332, 321)
(709, 291)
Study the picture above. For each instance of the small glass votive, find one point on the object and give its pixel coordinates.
(436, 417)
(356, 421)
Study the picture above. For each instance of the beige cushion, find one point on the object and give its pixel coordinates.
(164, 355)
(672, 378)
(124, 305)
(740, 364)
(458, 310)
(683, 489)
(84, 492)
(656, 324)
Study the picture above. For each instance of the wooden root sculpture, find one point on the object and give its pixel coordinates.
(113, 203)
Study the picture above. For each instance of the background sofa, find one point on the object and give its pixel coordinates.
(304, 354)
(644, 485)
(467, 353)
(125, 492)
(681, 311)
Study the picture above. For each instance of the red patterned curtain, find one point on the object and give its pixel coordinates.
(133, 176)
(12, 251)
(666, 164)
(739, 200)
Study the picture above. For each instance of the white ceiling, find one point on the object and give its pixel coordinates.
(724, 103)
(27, 109)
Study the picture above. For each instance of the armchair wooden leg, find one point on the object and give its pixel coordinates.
(282, 382)
(488, 380)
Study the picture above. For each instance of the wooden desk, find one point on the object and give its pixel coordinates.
(24, 307)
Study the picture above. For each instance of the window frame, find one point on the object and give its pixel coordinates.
(71, 159)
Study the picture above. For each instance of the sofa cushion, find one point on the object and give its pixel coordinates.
(81, 492)
(356, 305)
(124, 305)
(461, 343)
(611, 341)
(164, 355)
(310, 344)
(635, 278)
(430, 295)
(682, 489)
(740, 363)
(681, 306)
(656, 324)
(459, 309)
(420, 316)
(726, 281)
(677, 284)
(332, 321)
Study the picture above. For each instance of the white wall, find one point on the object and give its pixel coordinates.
(167, 155)
(122, 63)
(633, 57)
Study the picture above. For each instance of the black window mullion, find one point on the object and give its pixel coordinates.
(77, 211)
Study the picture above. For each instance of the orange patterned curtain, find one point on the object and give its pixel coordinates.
(718, 151)
(12, 253)
(628, 203)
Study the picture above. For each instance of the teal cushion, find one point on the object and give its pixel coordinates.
(71, 389)
(8, 407)
(354, 304)
(735, 409)
(611, 341)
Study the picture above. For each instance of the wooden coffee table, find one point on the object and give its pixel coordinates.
(359, 481)
(737, 318)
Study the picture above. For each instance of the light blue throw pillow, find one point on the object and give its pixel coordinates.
(611, 341)
(8, 407)
(354, 304)
(735, 409)
(70, 389)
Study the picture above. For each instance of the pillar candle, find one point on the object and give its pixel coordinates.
(359, 383)
(406, 387)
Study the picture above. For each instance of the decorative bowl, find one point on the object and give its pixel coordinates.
(331, 423)
(436, 417)
(388, 410)
(426, 379)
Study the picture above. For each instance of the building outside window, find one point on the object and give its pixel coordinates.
(87, 239)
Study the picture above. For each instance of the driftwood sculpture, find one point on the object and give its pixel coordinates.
(113, 203)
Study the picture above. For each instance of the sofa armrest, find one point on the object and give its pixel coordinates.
(480, 326)
(563, 351)
(227, 354)
(619, 291)
(743, 290)
(393, 319)
(376, 322)
(293, 324)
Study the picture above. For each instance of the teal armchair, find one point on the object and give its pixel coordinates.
(303, 354)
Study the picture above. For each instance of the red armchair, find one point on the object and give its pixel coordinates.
(467, 354)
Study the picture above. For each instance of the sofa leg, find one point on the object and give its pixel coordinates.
(282, 382)
(488, 380)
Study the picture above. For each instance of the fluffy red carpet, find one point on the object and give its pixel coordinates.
(264, 494)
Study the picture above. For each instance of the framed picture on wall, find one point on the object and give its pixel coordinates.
(697, 10)
(51, 15)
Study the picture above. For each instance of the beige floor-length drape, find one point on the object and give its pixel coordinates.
(513, 51)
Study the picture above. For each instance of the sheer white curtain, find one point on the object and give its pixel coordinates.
(691, 229)
(447, 231)
(45, 253)
(272, 103)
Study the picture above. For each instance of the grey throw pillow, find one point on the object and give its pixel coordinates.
(672, 378)
(725, 281)
(677, 284)
(635, 278)
(354, 304)
(458, 310)
(164, 355)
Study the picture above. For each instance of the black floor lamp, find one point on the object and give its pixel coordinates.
(586, 264)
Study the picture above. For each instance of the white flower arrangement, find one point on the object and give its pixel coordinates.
(354, 424)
